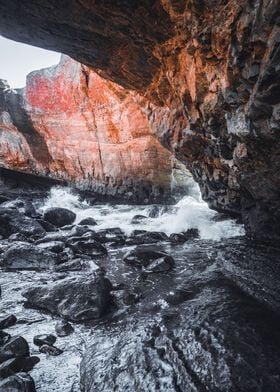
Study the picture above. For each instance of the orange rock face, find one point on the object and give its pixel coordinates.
(71, 124)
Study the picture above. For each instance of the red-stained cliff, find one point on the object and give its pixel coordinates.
(69, 123)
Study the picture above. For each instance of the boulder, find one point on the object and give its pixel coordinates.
(78, 298)
(49, 227)
(50, 350)
(12, 221)
(52, 246)
(163, 264)
(16, 346)
(19, 364)
(59, 216)
(73, 265)
(7, 321)
(40, 340)
(25, 207)
(90, 248)
(22, 256)
(63, 328)
(20, 382)
(88, 222)
(149, 237)
(138, 218)
(191, 234)
(4, 337)
(177, 238)
(142, 256)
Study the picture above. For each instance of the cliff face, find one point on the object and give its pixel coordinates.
(69, 123)
(207, 77)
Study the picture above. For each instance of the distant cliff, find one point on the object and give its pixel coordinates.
(69, 123)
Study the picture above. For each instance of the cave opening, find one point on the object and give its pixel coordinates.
(115, 273)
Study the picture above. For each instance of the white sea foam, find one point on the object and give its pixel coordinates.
(189, 212)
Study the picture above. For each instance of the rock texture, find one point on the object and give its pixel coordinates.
(208, 75)
(70, 124)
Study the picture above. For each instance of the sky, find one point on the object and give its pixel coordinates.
(18, 60)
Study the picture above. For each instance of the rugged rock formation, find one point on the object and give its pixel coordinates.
(209, 74)
(71, 124)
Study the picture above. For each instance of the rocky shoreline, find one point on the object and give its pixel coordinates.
(74, 296)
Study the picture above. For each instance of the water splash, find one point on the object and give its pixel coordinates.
(189, 212)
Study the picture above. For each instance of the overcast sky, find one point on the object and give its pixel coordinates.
(17, 60)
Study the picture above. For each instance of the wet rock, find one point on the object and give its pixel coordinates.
(66, 256)
(191, 234)
(18, 237)
(74, 265)
(88, 222)
(90, 248)
(116, 241)
(79, 298)
(177, 238)
(111, 230)
(126, 297)
(154, 212)
(52, 246)
(142, 256)
(20, 382)
(149, 237)
(12, 221)
(17, 346)
(138, 218)
(63, 328)
(7, 321)
(4, 337)
(49, 227)
(25, 207)
(22, 256)
(19, 364)
(40, 340)
(50, 350)
(137, 232)
(59, 216)
(162, 264)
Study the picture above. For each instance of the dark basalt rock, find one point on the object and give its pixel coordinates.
(126, 297)
(49, 227)
(149, 237)
(191, 234)
(142, 256)
(162, 264)
(50, 350)
(90, 248)
(12, 221)
(138, 218)
(177, 238)
(22, 256)
(25, 207)
(88, 222)
(20, 382)
(7, 321)
(4, 337)
(76, 298)
(63, 328)
(40, 340)
(52, 246)
(59, 216)
(17, 346)
(111, 231)
(73, 265)
(16, 365)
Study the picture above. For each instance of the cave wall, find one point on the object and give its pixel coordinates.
(71, 124)
(207, 77)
